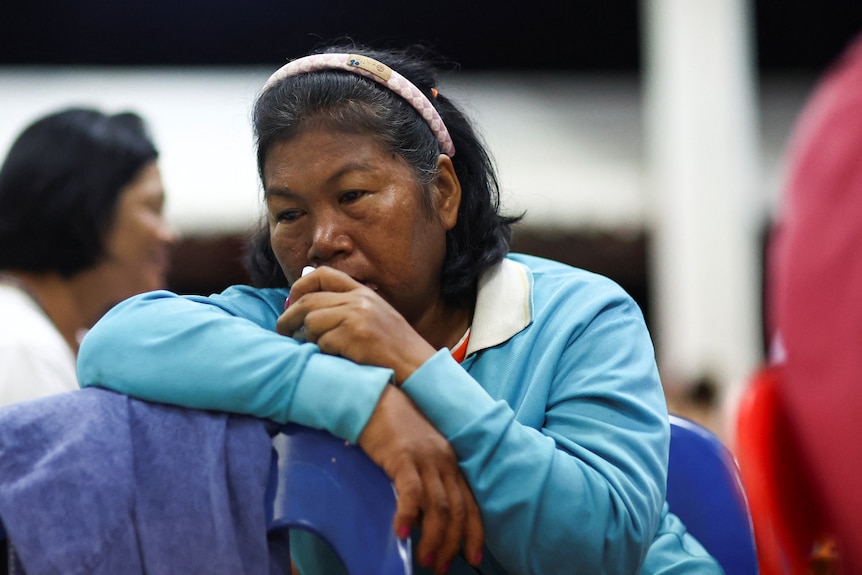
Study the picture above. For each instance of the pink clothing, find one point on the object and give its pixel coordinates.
(816, 296)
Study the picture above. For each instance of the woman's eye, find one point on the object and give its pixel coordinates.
(287, 215)
(350, 196)
(155, 204)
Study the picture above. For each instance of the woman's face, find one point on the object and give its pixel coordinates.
(139, 240)
(341, 200)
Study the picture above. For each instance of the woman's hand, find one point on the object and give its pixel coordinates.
(346, 318)
(432, 492)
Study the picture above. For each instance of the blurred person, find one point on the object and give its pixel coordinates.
(81, 229)
(514, 401)
(815, 297)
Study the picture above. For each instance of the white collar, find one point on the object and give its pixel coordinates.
(504, 305)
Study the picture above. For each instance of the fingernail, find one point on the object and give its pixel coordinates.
(444, 569)
(403, 532)
(478, 558)
(287, 302)
(429, 559)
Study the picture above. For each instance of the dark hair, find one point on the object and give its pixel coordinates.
(355, 104)
(59, 187)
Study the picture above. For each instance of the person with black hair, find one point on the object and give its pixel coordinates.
(514, 401)
(81, 229)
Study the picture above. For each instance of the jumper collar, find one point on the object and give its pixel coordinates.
(503, 305)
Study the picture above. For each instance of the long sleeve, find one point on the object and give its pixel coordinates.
(562, 432)
(560, 429)
(222, 353)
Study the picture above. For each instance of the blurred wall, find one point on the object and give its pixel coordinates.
(563, 93)
(569, 148)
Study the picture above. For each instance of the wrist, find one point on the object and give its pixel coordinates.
(411, 362)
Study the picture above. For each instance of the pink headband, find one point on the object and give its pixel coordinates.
(381, 73)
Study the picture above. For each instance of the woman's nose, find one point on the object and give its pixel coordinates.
(168, 233)
(329, 241)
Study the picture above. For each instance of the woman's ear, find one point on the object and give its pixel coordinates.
(447, 198)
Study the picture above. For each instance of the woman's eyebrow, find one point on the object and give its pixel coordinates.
(280, 192)
(350, 167)
(346, 169)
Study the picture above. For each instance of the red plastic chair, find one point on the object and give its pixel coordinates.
(787, 522)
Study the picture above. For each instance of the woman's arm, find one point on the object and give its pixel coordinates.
(212, 353)
(221, 353)
(573, 478)
(561, 431)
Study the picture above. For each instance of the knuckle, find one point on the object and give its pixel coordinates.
(458, 512)
(408, 485)
(365, 303)
(442, 507)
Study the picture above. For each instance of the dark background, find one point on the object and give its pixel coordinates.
(584, 35)
(561, 35)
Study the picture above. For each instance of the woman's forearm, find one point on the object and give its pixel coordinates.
(196, 353)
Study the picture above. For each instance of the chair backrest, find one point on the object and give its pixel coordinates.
(787, 522)
(333, 490)
(705, 491)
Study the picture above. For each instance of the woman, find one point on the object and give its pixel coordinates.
(81, 229)
(513, 401)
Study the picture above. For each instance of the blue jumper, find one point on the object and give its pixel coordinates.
(557, 414)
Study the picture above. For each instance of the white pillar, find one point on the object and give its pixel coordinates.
(705, 199)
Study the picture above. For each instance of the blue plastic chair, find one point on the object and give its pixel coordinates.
(705, 491)
(9, 561)
(355, 517)
(332, 489)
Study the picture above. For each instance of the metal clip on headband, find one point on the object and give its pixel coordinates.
(380, 73)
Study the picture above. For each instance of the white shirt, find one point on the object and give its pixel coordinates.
(35, 360)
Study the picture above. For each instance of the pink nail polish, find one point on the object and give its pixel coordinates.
(478, 558)
(444, 570)
(403, 532)
(287, 302)
(429, 559)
